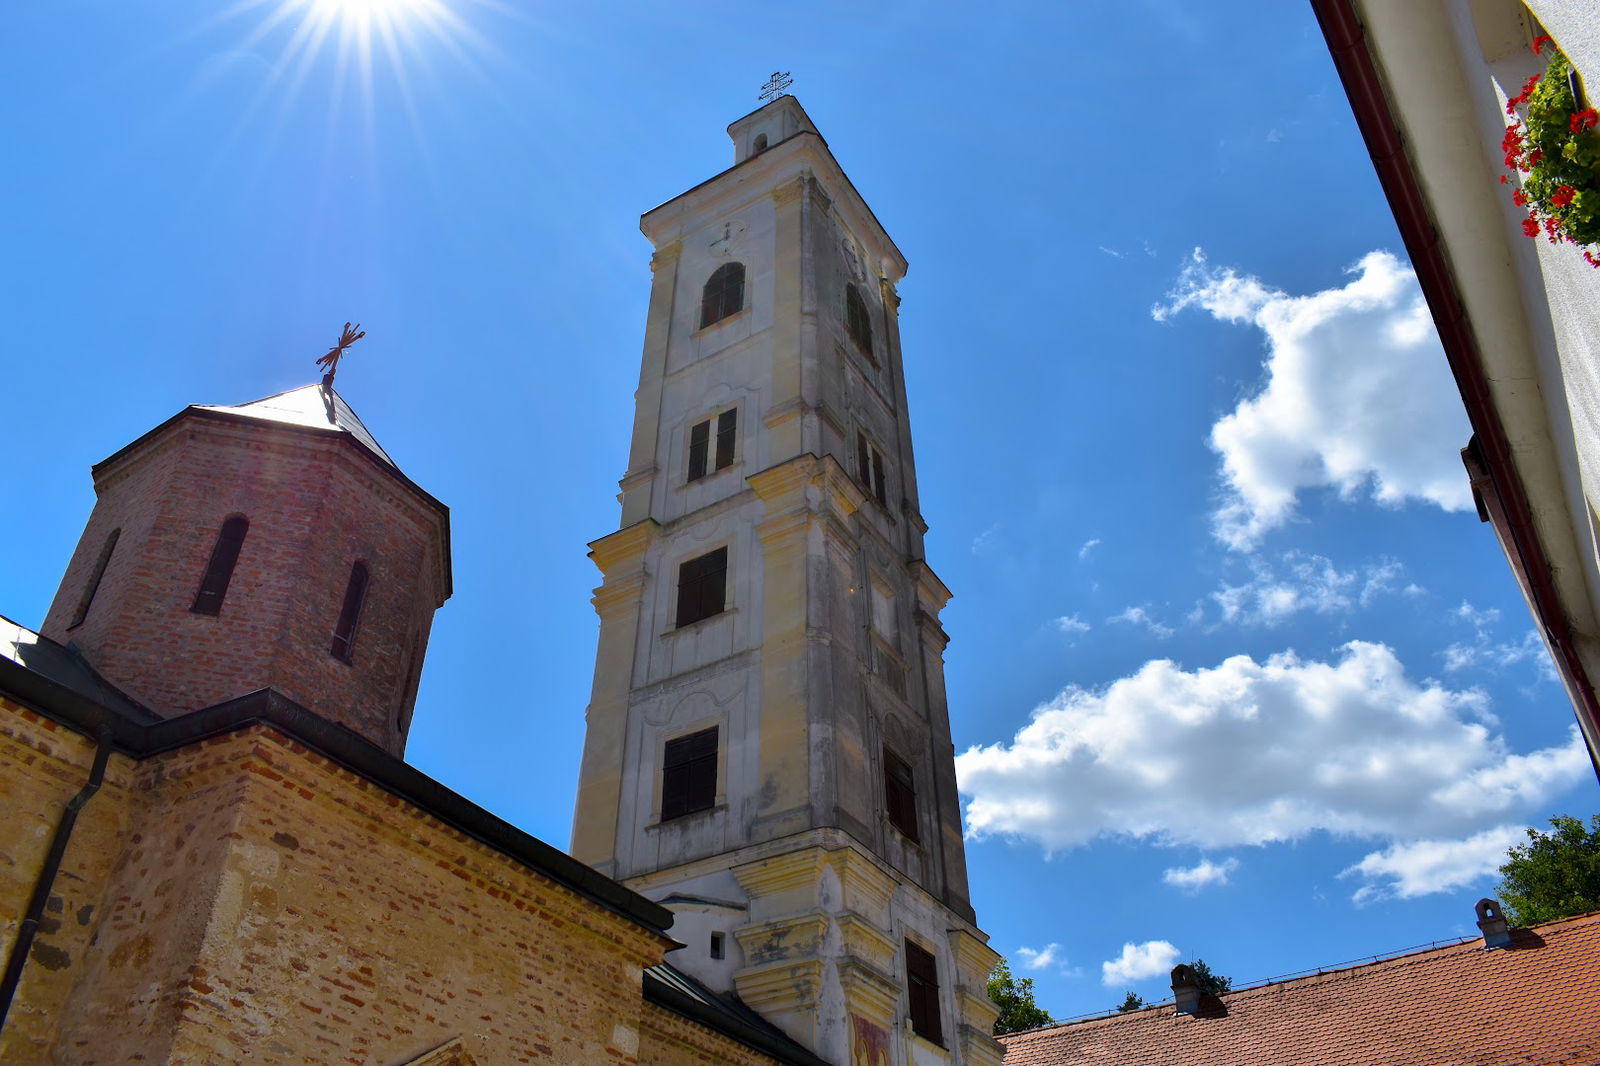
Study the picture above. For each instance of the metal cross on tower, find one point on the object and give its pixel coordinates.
(775, 86)
(330, 362)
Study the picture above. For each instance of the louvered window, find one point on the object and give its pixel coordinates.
(922, 986)
(857, 322)
(869, 469)
(219, 571)
(723, 294)
(900, 795)
(702, 587)
(689, 774)
(344, 632)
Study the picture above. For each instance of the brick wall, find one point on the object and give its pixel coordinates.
(669, 1039)
(316, 504)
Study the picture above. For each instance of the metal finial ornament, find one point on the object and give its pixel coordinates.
(775, 86)
(330, 362)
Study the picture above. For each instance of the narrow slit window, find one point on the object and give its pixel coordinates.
(718, 948)
(922, 988)
(689, 774)
(900, 795)
(878, 487)
(93, 584)
(219, 571)
(857, 321)
(727, 424)
(344, 633)
(723, 294)
(702, 587)
(870, 469)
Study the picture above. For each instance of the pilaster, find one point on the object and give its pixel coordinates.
(636, 484)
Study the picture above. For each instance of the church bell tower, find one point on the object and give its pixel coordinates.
(768, 750)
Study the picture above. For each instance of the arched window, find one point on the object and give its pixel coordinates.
(344, 633)
(856, 319)
(723, 295)
(93, 585)
(761, 143)
(219, 571)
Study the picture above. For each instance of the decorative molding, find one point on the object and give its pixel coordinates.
(665, 256)
(781, 873)
(790, 191)
(782, 987)
(612, 552)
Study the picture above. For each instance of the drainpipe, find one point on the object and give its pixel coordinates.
(47, 877)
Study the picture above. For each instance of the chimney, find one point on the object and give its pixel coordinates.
(1496, 931)
(1185, 989)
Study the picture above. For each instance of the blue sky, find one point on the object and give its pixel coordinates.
(1237, 671)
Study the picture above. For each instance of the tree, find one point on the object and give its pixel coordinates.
(1014, 995)
(1211, 984)
(1132, 1001)
(1554, 874)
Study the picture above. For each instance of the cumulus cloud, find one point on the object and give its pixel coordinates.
(1138, 616)
(1298, 583)
(1088, 546)
(1423, 866)
(1072, 625)
(1204, 874)
(1041, 959)
(1358, 396)
(1153, 958)
(1250, 752)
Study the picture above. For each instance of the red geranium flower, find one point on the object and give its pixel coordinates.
(1584, 120)
(1563, 196)
(1530, 226)
(1535, 157)
(1519, 198)
(1542, 40)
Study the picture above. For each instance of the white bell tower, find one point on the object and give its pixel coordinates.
(768, 749)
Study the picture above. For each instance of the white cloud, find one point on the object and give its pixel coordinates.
(1298, 583)
(1042, 959)
(1138, 961)
(1071, 624)
(1358, 396)
(1138, 616)
(1485, 652)
(1251, 752)
(1205, 874)
(1088, 546)
(1423, 866)
(985, 540)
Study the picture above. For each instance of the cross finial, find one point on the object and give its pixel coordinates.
(775, 86)
(330, 362)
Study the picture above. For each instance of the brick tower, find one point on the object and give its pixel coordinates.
(269, 544)
(768, 750)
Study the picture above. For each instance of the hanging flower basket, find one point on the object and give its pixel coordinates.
(1553, 146)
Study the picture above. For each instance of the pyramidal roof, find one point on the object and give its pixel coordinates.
(311, 406)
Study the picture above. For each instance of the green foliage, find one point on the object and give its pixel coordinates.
(1211, 984)
(1555, 874)
(1132, 1001)
(1014, 995)
(1556, 150)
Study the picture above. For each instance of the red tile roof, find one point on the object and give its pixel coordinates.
(1536, 1003)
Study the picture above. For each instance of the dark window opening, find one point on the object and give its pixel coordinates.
(702, 587)
(761, 146)
(93, 584)
(922, 987)
(689, 774)
(699, 446)
(869, 469)
(900, 795)
(344, 633)
(857, 321)
(219, 571)
(717, 949)
(700, 454)
(723, 294)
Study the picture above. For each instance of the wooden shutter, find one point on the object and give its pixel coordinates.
(689, 774)
(702, 587)
(900, 795)
(699, 443)
(727, 423)
(922, 987)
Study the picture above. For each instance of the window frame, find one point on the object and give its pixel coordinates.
(858, 321)
(689, 773)
(713, 444)
(922, 993)
(870, 469)
(685, 606)
(224, 560)
(723, 294)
